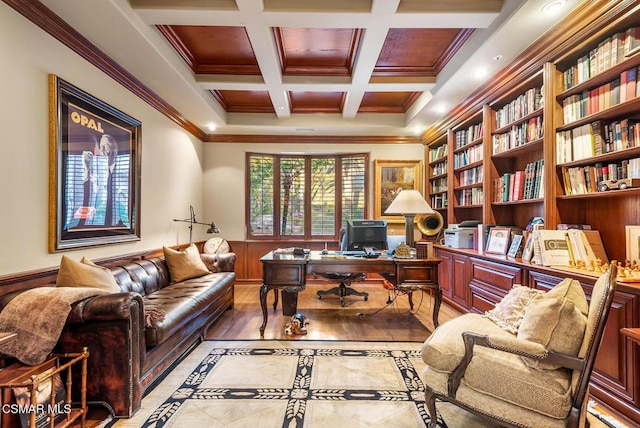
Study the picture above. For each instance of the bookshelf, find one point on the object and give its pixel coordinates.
(516, 163)
(588, 118)
(468, 170)
(438, 175)
(597, 137)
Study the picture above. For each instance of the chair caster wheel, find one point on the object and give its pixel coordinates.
(366, 298)
(319, 297)
(342, 302)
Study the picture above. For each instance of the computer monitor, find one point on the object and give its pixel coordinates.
(366, 233)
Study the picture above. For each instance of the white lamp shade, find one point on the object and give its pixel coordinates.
(409, 202)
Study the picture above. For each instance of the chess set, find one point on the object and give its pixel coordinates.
(628, 271)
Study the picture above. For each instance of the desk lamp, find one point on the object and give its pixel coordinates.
(409, 203)
(192, 220)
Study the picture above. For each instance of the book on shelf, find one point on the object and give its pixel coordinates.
(553, 247)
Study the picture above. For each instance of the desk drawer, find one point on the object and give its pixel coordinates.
(275, 274)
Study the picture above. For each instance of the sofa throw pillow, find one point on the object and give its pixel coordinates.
(184, 264)
(509, 311)
(556, 320)
(85, 274)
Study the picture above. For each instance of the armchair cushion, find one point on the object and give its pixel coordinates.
(509, 311)
(444, 349)
(556, 320)
(505, 376)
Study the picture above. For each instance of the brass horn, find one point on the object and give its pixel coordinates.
(430, 224)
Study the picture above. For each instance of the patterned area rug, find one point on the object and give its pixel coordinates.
(290, 384)
(267, 383)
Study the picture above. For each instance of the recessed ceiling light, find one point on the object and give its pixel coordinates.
(497, 57)
(481, 73)
(442, 108)
(280, 107)
(212, 127)
(418, 130)
(553, 7)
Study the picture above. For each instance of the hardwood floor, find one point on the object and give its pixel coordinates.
(371, 320)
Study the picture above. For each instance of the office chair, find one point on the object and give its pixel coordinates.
(343, 279)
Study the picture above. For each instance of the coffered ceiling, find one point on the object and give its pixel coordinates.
(301, 67)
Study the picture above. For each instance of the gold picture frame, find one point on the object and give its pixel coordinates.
(390, 177)
(94, 170)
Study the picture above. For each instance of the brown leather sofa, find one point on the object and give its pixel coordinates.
(131, 347)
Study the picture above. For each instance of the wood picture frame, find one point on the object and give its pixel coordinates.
(391, 177)
(527, 249)
(498, 241)
(632, 241)
(515, 249)
(94, 170)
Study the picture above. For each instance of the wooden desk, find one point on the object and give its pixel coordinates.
(288, 273)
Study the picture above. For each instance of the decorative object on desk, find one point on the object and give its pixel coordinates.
(431, 226)
(409, 203)
(498, 242)
(192, 220)
(297, 325)
(390, 178)
(94, 170)
(403, 251)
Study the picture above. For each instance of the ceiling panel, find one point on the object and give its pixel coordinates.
(244, 101)
(316, 102)
(213, 50)
(418, 51)
(387, 102)
(317, 51)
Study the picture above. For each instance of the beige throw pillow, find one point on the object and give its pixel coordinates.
(184, 264)
(556, 320)
(509, 311)
(85, 274)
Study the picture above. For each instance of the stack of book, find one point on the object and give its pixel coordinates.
(579, 180)
(609, 52)
(569, 247)
(596, 138)
(520, 185)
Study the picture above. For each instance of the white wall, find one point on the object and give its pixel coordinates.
(171, 158)
(224, 175)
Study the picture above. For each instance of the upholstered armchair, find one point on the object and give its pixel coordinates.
(527, 363)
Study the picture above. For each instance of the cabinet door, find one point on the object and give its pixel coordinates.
(444, 273)
(460, 280)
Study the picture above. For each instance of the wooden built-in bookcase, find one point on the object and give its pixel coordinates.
(527, 111)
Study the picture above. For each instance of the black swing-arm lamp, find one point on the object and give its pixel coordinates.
(192, 220)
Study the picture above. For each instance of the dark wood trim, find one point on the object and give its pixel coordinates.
(460, 39)
(51, 23)
(175, 41)
(311, 139)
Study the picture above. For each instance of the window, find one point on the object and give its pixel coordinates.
(304, 196)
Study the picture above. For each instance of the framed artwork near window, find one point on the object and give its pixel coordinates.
(498, 242)
(391, 177)
(94, 170)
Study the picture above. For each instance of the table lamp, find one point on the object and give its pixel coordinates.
(409, 203)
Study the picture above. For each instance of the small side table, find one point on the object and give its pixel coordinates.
(31, 377)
